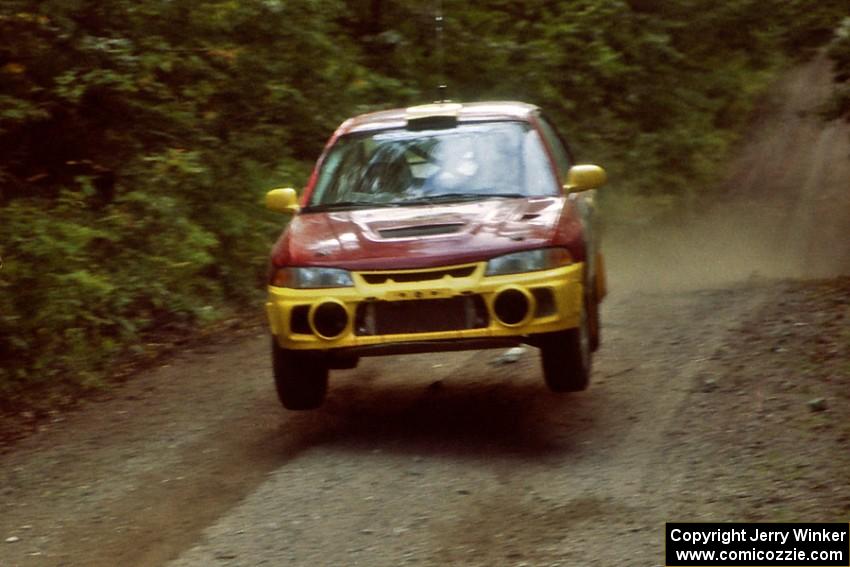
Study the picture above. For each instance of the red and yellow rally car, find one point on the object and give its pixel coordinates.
(437, 227)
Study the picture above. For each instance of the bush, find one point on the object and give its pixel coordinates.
(81, 285)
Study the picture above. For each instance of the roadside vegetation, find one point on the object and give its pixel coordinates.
(138, 138)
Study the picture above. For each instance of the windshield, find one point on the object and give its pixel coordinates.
(468, 162)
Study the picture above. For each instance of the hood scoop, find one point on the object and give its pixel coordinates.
(421, 230)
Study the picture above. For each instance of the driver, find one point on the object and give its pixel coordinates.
(457, 164)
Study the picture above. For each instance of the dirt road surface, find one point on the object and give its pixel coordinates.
(720, 394)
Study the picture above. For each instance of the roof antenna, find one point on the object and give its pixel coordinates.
(442, 89)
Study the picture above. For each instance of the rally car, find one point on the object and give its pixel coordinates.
(438, 227)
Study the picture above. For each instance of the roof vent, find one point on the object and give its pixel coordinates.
(433, 116)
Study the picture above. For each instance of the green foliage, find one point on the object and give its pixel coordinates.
(78, 284)
(137, 138)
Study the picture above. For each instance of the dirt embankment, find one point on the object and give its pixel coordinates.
(720, 394)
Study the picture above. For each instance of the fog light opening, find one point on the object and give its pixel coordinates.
(329, 319)
(513, 306)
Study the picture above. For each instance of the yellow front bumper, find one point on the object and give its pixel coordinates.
(564, 287)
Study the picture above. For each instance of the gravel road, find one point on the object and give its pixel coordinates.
(720, 394)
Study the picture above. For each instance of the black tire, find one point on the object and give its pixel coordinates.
(593, 320)
(343, 362)
(301, 380)
(567, 357)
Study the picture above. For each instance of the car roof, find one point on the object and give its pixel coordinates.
(466, 112)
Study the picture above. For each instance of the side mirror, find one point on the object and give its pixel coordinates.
(584, 177)
(282, 200)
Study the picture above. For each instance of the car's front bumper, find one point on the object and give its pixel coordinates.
(428, 306)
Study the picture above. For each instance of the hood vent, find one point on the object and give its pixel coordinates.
(421, 230)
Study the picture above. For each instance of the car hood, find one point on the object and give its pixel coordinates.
(418, 236)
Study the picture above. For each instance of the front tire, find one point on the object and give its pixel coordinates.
(594, 323)
(301, 380)
(566, 357)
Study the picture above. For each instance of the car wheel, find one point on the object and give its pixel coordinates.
(301, 381)
(343, 362)
(593, 319)
(566, 357)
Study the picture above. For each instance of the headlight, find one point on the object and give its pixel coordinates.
(310, 278)
(529, 261)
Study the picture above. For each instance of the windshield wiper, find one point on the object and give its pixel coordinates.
(345, 205)
(459, 197)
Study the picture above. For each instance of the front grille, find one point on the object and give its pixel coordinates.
(423, 276)
(421, 316)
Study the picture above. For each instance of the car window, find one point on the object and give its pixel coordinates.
(472, 159)
(563, 161)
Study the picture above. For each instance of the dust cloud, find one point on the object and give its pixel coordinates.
(781, 211)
